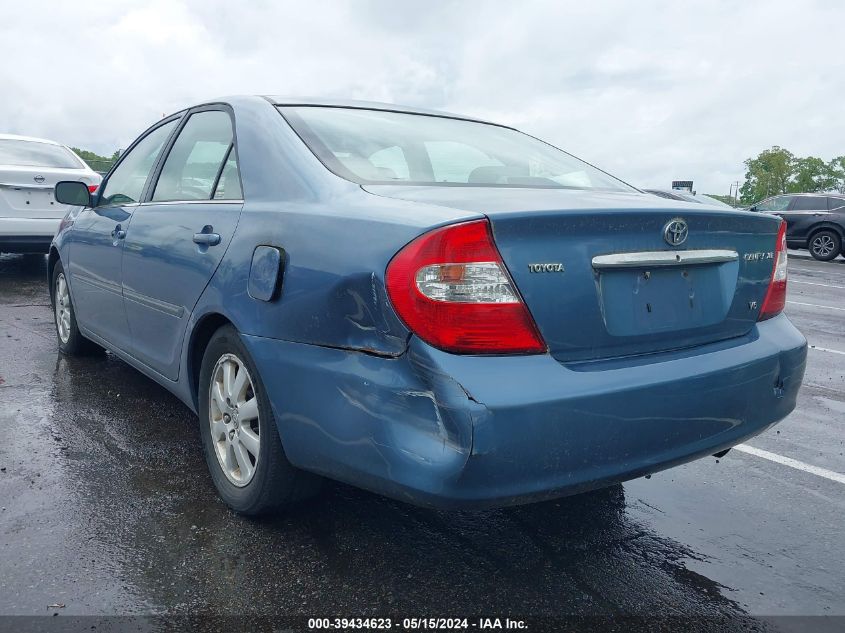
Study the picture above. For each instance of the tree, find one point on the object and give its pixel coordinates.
(768, 174)
(95, 161)
(837, 173)
(812, 174)
(729, 200)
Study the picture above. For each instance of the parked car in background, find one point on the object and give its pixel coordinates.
(29, 170)
(815, 222)
(433, 307)
(674, 194)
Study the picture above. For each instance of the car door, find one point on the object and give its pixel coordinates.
(179, 234)
(804, 213)
(97, 239)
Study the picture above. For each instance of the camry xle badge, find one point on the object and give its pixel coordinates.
(545, 268)
(754, 257)
(675, 232)
(39, 179)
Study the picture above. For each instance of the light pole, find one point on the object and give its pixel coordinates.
(733, 191)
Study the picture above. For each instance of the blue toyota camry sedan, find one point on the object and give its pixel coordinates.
(436, 308)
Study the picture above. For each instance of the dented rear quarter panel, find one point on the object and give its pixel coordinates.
(337, 239)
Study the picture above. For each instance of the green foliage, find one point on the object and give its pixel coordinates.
(777, 170)
(812, 174)
(726, 199)
(95, 161)
(768, 174)
(837, 169)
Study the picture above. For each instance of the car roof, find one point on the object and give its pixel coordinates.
(17, 137)
(364, 105)
(834, 194)
(818, 193)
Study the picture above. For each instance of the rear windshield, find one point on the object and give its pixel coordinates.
(377, 147)
(35, 154)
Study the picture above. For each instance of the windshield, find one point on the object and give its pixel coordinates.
(377, 147)
(35, 154)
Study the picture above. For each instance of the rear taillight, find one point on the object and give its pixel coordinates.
(92, 188)
(775, 299)
(452, 289)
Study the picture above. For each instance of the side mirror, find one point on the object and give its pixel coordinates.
(752, 208)
(73, 192)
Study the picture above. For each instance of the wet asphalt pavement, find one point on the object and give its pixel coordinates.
(107, 508)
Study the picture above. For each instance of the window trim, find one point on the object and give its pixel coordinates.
(149, 189)
(144, 134)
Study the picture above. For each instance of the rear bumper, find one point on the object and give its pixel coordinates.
(27, 235)
(445, 430)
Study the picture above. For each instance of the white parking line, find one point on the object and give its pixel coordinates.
(815, 270)
(814, 283)
(825, 349)
(792, 463)
(815, 305)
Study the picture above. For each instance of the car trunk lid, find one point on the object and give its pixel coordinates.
(600, 278)
(27, 192)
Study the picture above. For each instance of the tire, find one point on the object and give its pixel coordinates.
(241, 442)
(825, 245)
(70, 339)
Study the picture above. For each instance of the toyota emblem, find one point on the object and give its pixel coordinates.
(675, 232)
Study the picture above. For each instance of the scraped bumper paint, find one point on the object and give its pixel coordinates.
(446, 430)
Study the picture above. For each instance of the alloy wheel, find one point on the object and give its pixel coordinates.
(823, 245)
(233, 417)
(63, 308)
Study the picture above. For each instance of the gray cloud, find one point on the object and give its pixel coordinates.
(649, 91)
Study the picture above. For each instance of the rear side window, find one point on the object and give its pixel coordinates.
(35, 154)
(810, 203)
(835, 203)
(196, 159)
(126, 183)
(229, 184)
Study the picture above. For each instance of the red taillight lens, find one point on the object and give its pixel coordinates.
(92, 188)
(775, 299)
(452, 289)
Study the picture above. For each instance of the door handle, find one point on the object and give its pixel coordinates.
(207, 239)
(118, 233)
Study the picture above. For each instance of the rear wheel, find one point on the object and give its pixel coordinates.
(242, 446)
(825, 245)
(71, 341)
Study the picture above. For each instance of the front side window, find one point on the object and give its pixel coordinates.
(196, 158)
(126, 182)
(810, 203)
(22, 153)
(778, 203)
(437, 150)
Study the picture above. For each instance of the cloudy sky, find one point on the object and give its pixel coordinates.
(650, 91)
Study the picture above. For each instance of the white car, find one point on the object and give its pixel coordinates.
(29, 169)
